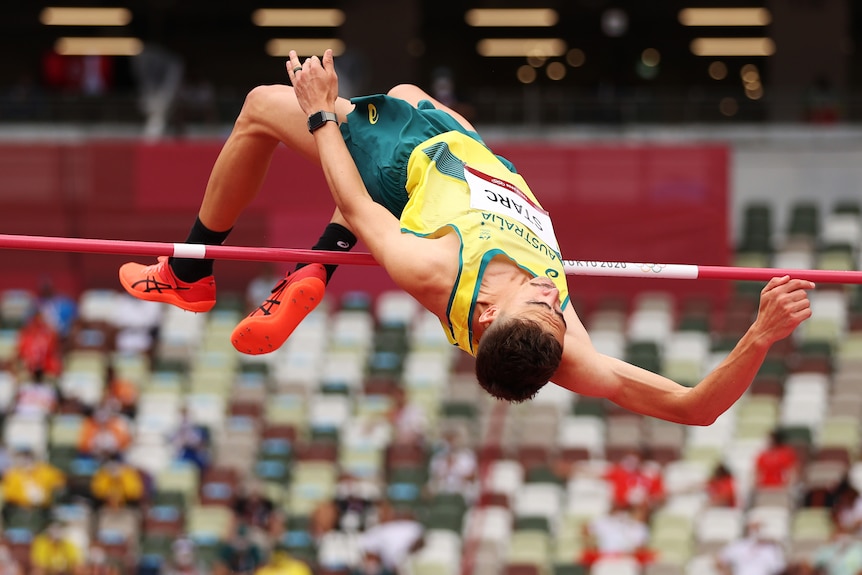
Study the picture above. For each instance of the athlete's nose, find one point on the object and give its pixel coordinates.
(551, 292)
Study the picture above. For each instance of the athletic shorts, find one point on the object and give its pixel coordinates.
(382, 132)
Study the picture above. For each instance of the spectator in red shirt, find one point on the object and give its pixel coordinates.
(721, 487)
(777, 465)
(39, 346)
(635, 482)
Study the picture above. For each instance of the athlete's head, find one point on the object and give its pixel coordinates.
(522, 344)
(516, 357)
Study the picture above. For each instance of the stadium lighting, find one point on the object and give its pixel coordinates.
(281, 47)
(732, 47)
(515, 17)
(298, 18)
(118, 46)
(56, 16)
(521, 47)
(725, 17)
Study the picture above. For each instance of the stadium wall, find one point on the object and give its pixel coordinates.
(644, 203)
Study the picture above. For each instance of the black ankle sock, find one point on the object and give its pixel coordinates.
(190, 269)
(335, 238)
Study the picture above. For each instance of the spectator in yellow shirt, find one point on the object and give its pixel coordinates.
(281, 563)
(52, 553)
(30, 484)
(117, 484)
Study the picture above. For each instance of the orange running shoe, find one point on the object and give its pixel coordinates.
(265, 329)
(158, 283)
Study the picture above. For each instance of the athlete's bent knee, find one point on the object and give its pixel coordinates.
(257, 102)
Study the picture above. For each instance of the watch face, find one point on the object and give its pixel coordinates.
(318, 119)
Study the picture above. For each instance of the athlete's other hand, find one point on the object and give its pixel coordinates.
(784, 305)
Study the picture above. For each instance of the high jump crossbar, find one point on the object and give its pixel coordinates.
(264, 254)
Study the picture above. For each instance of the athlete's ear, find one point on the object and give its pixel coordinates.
(488, 316)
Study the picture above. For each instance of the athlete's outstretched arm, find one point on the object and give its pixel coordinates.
(316, 88)
(783, 306)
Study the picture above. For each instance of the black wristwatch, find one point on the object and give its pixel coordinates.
(318, 119)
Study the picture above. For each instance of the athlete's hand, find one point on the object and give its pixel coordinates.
(783, 306)
(314, 81)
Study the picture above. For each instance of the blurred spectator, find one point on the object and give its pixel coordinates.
(239, 555)
(842, 555)
(622, 532)
(335, 548)
(36, 396)
(105, 433)
(58, 310)
(89, 75)
(453, 467)
(253, 507)
(409, 424)
(355, 500)
(752, 555)
(721, 487)
(387, 545)
(280, 562)
(196, 104)
(97, 74)
(117, 484)
(191, 441)
(30, 484)
(8, 564)
(635, 482)
(120, 391)
(98, 563)
(184, 560)
(823, 103)
(39, 346)
(777, 465)
(846, 506)
(324, 519)
(159, 74)
(137, 324)
(54, 553)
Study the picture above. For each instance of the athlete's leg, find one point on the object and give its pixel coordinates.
(414, 94)
(269, 116)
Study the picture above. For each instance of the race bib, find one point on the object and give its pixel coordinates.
(492, 194)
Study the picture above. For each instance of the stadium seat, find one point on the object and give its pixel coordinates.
(15, 307)
(8, 345)
(539, 500)
(811, 524)
(489, 524)
(615, 566)
(719, 525)
(581, 430)
(774, 521)
(23, 431)
(209, 523)
(702, 564)
(531, 547)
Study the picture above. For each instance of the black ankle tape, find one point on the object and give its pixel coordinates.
(190, 269)
(335, 238)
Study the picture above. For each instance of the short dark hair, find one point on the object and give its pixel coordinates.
(515, 358)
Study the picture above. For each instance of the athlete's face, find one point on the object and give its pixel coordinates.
(538, 300)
